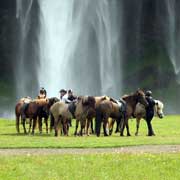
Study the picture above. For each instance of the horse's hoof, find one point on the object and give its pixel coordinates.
(136, 134)
(122, 135)
(128, 134)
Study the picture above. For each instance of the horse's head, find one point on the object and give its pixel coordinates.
(141, 97)
(52, 101)
(159, 108)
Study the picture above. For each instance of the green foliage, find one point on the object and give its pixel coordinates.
(167, 132)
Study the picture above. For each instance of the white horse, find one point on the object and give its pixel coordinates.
(140, 112)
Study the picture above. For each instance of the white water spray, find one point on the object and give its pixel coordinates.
(70, 57)
(173, 38)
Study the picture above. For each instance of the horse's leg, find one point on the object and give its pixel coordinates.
(92, 129)
(40, 124)
(122, 126)
(83, 124)
(105, 122)
(51, 122)
(46, 122)
(127, 128)
(64, 125)
(137, 125)
(17, 123)
(57, 122)
(76, 128)
(24, 125)
(111, 126)
(87, 126)
(98, 121)
(34, 124)
(56, 128)
(30, 124)
(117, 126)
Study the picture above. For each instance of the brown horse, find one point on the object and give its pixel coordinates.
(98, 100)
(121, 112)
(108, 109)
(43, 110)
(81, 109)
(85, 108)
(18, 111)
(35, 109)
(131, 101)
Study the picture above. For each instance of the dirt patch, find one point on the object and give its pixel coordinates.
(155, 149)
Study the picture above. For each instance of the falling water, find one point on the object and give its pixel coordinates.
(173, 38)
(80, 46)
(23, 15)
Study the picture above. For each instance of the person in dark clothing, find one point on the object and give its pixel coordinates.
(42, 93)
(71, 96)
(149, 112)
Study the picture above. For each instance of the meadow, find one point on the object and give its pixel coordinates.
(167, 131)
(141, 166)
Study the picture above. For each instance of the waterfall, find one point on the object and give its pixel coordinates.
(23, 15)
(173, 35)
(27, 55)
(80, 46)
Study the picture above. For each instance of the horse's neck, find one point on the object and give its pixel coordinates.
(131, 101)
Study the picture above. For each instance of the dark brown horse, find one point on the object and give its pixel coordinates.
(98, 100)
(131, 101)
(18, 111)
(106, 109)
(119, 112)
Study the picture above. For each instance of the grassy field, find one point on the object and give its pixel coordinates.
(101, 166)
(141, 166)
(167, 132)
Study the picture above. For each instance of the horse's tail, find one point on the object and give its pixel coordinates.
(17, 124)
(51, 122)
(17, 119)
(98, 121)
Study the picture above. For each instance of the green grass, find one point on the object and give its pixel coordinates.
(101, 166)
(167, 132)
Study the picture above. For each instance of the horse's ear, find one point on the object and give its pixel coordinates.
(79, 98)
(103, 98)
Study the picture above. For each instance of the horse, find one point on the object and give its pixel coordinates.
(104, 110)
(98, 100)
(130, 101)
(18, 111)
(140, 112)
(37, 108)
(81, 109)
(60, 115)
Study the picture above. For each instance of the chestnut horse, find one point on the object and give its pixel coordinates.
(106, 109)
(18, 111)
(112, 109)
